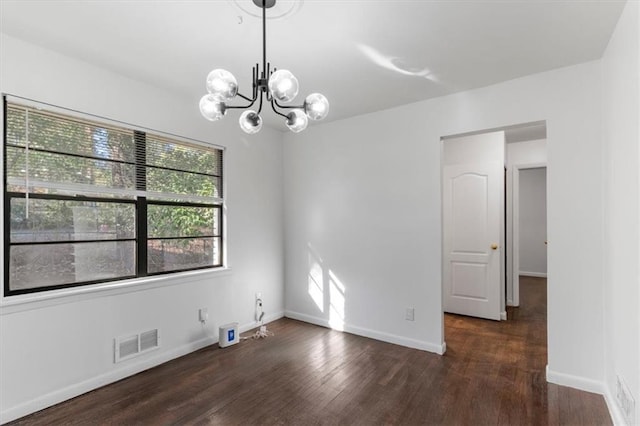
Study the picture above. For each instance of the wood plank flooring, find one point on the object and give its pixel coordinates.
(492, 373)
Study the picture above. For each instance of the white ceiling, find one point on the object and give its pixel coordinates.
(363, 55)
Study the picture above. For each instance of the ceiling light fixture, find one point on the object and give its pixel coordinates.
(276, 86)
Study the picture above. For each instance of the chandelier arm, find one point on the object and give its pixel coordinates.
(273, 107)
(260, 107)
(246, 98)
(241, 106)
(288, 106)
(256, 71)
(269, 96)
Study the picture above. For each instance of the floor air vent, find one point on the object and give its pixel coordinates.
(126, 347)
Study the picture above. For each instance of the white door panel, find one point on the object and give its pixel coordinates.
(469, 225)
(467, 279)
(473, 214)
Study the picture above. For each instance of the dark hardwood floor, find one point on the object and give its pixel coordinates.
(492, 373)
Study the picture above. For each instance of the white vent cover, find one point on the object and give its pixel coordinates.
(126, 347)
(148, 340)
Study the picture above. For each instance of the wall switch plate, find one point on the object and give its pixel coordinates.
(203, 315)
(409, 314)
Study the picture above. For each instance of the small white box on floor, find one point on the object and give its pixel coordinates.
(228, 335)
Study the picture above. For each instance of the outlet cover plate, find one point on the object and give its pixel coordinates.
(625, 400)
(410, 314)
(203, 314)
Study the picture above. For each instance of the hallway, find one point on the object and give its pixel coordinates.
(504, 363)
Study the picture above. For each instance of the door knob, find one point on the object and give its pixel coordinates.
(494, 246)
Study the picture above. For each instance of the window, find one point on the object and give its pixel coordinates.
(88, 202)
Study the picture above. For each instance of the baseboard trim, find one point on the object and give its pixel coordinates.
(577, 382)
(372, 334)
(614, 410)
(589, 385)
(533, 274)
(503, 316)
(112, 376)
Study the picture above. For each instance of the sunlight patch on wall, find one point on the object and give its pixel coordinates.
(336, 302)
(326, 290)
(316, 280)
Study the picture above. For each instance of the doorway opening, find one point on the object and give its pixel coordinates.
(469, 278)
(529, 226)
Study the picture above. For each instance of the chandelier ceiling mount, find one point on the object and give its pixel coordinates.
(268, 4)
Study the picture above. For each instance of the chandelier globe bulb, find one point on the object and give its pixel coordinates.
(297, 120)
(222, 85)
(211, 108)
(250, 122)
(316, 106)
(283, 86)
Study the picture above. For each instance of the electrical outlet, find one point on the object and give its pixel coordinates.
(625, 400)
(409, 314)
(203, 315)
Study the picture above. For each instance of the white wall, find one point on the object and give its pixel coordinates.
(533, 222)
(621, 97)
(56, 348)
(364, 194)
(519, 154)
(525, 153)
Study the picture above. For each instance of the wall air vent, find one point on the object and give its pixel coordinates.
(148, 340)
(132, 345)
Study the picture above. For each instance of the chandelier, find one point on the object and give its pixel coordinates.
(277, 87)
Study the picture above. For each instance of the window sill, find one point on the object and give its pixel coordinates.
(26, 302)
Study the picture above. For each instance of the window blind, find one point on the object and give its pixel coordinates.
(47, 152)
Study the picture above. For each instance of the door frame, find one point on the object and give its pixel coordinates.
(515, 225)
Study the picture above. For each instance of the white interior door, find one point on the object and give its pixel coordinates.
(473, 214)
